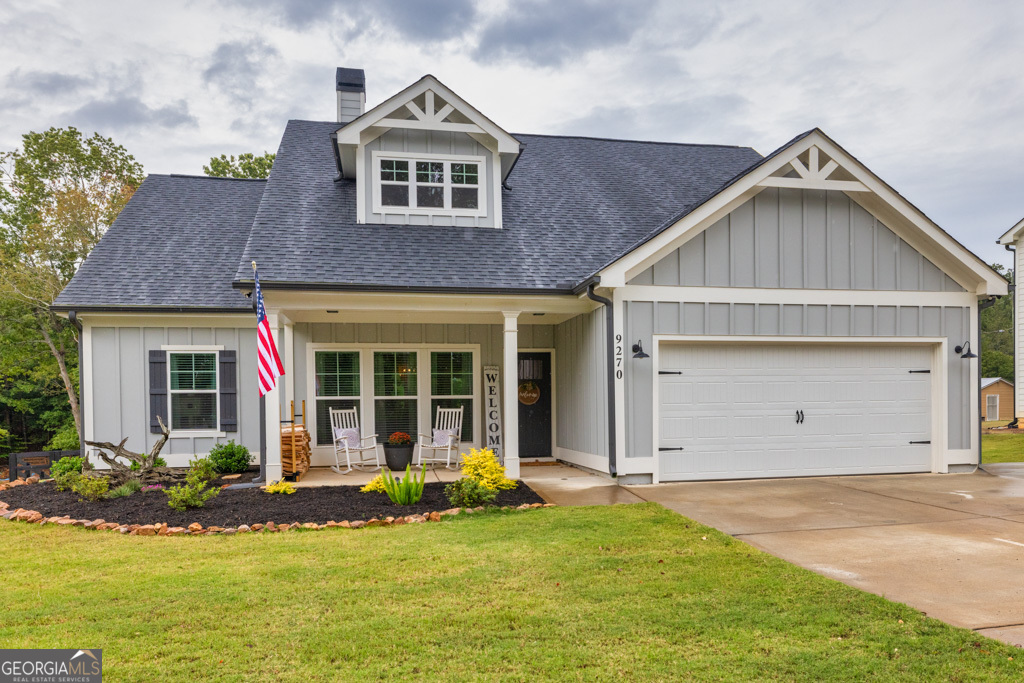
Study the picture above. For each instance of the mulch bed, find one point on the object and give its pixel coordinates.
(231, 508)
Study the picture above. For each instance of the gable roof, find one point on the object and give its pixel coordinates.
(1011, 235)
(989, 381)
(175, 246)
(574, 203)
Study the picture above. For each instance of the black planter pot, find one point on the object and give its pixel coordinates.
(398, 457)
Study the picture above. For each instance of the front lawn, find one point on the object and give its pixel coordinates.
(1002, 448)
(603, 593)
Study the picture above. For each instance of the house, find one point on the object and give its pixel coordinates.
(996, 399)
(1011, 241)
(652, 311)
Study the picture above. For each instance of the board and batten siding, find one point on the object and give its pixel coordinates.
(643, 319)
(429, 142)
(799, 239)
(581, 385)
(118, 390)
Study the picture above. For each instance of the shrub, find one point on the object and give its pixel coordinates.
(65, 465)
(375, 485)
(230, 458)
(194, 492)
(126, 489)
(65, 481)
(468, 493)
(158, 462)
(408, 491)
(281, 487)
(483, 467)
(92, 489)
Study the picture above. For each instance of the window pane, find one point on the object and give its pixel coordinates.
(394, 373)
(337, 373)
(397, 171)
(429, 172)
(451, 373)
(464, 174)
(193, 411)
(394, 195)
(467, 413)
(430, 197)
(393, 415)
(193, 371)
(323, 418)
(464, 198)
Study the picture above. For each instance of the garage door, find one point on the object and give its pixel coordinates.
(740, 412)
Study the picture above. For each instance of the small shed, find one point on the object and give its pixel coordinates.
(997, 399)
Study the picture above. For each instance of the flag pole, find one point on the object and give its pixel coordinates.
(262, 476)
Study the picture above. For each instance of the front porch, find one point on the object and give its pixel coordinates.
(396, 359)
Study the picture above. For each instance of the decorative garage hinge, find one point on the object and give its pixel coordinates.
(670, 372)
(920, 372)
(916, 442)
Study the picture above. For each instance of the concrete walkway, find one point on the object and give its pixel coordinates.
(950, 545)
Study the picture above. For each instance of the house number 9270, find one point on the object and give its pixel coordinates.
(618, 356)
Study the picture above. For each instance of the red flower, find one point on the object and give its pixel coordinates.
(399, 439)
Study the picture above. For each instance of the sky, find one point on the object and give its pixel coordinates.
(929, 95)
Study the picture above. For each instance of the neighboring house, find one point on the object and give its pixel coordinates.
(996, 399)
(655, 311)
(1012, 241)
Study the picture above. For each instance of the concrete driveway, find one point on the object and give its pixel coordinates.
(950, 545)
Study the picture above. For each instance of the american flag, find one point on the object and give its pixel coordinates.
(269, 362)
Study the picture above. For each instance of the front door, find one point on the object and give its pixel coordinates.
(535, 404)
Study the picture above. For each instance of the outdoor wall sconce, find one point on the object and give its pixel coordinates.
(638, 350)
(965, 350)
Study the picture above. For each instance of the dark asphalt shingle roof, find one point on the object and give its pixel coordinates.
(176, 244)
(575, 204)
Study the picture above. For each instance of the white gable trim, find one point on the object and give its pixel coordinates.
(880, 200)
(1012, 234)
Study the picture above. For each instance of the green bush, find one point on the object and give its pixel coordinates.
(64, 465)
(92, 489)
(230, 458)
(158, 462)
(65, 481)
(408, 491)
(126, 489)
(468, 493)
(194, 492)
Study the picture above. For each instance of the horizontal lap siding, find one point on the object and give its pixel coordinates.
(581, 384)
(119, 392)
(798, 239)
(643, 319)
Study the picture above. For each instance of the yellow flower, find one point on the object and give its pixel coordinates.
(483, 467)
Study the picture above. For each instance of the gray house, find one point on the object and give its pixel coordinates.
(653, 311)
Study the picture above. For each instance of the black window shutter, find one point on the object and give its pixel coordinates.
(157, 389)
(228, 392)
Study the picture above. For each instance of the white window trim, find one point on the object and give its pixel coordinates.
(367, 419)
(315, 397)
(481, 162)
(441, 397)
(193, 433)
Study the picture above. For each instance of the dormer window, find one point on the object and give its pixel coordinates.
(430, 184)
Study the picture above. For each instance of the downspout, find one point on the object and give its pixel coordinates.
(73, 317)
(609, 315)
(981, 416)
(1013, 313)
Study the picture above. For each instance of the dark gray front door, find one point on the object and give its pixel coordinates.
(535, 404)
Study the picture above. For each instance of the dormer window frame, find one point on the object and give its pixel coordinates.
(413, 182)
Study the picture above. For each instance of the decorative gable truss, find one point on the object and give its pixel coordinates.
(814, 161)
(426, 156)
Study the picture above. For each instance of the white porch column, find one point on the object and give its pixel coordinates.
(273, 426)
(510, 380)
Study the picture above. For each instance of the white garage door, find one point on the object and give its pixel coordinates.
(792, 410)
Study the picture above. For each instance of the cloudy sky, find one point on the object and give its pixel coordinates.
(930, 94)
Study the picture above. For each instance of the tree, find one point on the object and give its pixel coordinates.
(58, 195)
(997, 350)
(247, 165)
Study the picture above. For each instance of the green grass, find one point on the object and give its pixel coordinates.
(1002, 448)
(604, 593)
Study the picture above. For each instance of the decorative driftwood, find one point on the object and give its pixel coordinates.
(148, 472)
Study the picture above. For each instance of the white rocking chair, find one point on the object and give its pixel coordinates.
(349, 442)
(447, 437)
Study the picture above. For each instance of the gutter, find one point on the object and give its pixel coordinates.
(610, 332)
(408, 289)
(73, 317)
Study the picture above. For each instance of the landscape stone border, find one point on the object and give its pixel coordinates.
(196, 529)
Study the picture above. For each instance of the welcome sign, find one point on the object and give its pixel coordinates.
(492, 411)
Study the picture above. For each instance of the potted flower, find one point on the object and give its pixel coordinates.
(398, 451)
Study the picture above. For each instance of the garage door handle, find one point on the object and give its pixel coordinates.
(915, 442)
(799, 417)
(676, 448)
(670, 372)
